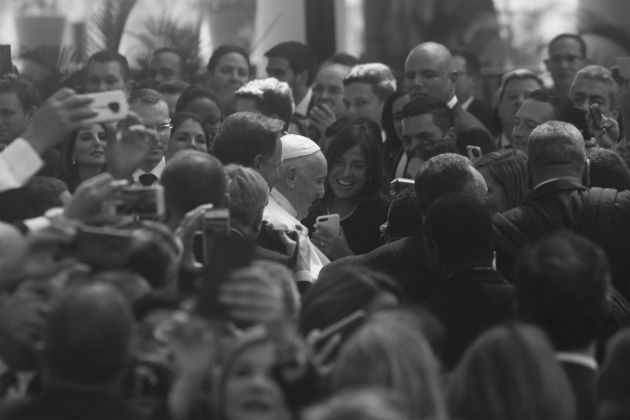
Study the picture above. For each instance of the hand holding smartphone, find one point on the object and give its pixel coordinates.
(329, 223)
(109, 106)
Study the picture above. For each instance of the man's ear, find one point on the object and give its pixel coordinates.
(29, 114)
(258, 161)
(432, 249)
(302, 78)
(451, 135)
(291, 177)
(128, 88)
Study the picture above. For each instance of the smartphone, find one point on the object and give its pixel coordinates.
(623, 64)
(328, 223)
(474, 153)
(596, 116)
(102, 247)
(146, 202)
(6, 64)
(229, 253)
(345, 326)
(214, 222)
(399, 184)
(109, 106)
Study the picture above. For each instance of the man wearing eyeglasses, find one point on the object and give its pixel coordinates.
(567, 55)
(153, 110)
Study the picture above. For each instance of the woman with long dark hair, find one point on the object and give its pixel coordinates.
(353, 191)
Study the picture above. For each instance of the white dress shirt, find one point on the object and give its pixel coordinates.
(280, 212)
(157, 170)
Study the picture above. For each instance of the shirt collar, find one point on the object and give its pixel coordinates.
(302, 107)
(283, 202)
(157, 170)
(577, 358)
(467, 103)
(451, 104)
(551, 180)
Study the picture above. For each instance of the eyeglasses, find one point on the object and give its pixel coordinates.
(160, 129)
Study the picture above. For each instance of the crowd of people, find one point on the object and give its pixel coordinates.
(325, 243)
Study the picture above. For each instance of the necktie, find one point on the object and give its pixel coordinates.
(147, 179)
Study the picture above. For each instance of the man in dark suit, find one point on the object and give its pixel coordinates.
(429, 70)
(468, 73)
(561, 286)
(559, 201)
(88, 335)
(470, 296)
(406, 260)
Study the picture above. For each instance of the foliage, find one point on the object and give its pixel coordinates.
(106, 25)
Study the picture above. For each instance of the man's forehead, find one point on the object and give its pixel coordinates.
(427, 59)
(565, 45)
(591, 86)
(417, 123)
(9, 100)
(106, 67)
(151, 112)
(535, 110)
(332, 73)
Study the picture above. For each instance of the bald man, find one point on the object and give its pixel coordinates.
(430, 71)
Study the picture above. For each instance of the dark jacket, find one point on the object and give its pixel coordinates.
(469, 302)
(563, 204)
(57, 403)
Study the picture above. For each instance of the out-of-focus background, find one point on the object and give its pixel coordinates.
(504, 33)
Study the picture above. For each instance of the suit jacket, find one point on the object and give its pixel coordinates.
(486, 115)
(469, 302)
(584, 383)
(565, 204)
(61, 403)
(51, 159)
(471, 131)
(405, 260)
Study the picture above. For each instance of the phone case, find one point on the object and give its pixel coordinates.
(110, 106)
(329, 223)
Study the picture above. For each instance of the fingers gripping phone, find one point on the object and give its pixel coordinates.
(142, 201)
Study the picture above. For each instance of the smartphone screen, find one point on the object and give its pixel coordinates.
(6, 64)
(596, 116)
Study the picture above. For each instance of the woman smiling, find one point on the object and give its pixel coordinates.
(353, 190)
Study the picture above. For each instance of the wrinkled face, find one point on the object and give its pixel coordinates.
(13, 119)
(397, 107)
(280, 68)
(102, 77)
(361, 101)
(231, 73)
(89, 146)
(418, 130)
(348, 174)
(269, 167)
(513, 96)
(251, 393)
(24, 311)
(328, 87)
(497, 197)
(465, 83)
(165, 67)
(565, 59)
(155, 116)
(188, 135)
(529, 116)
(427, 75)
(586, 92)
(309, 183)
